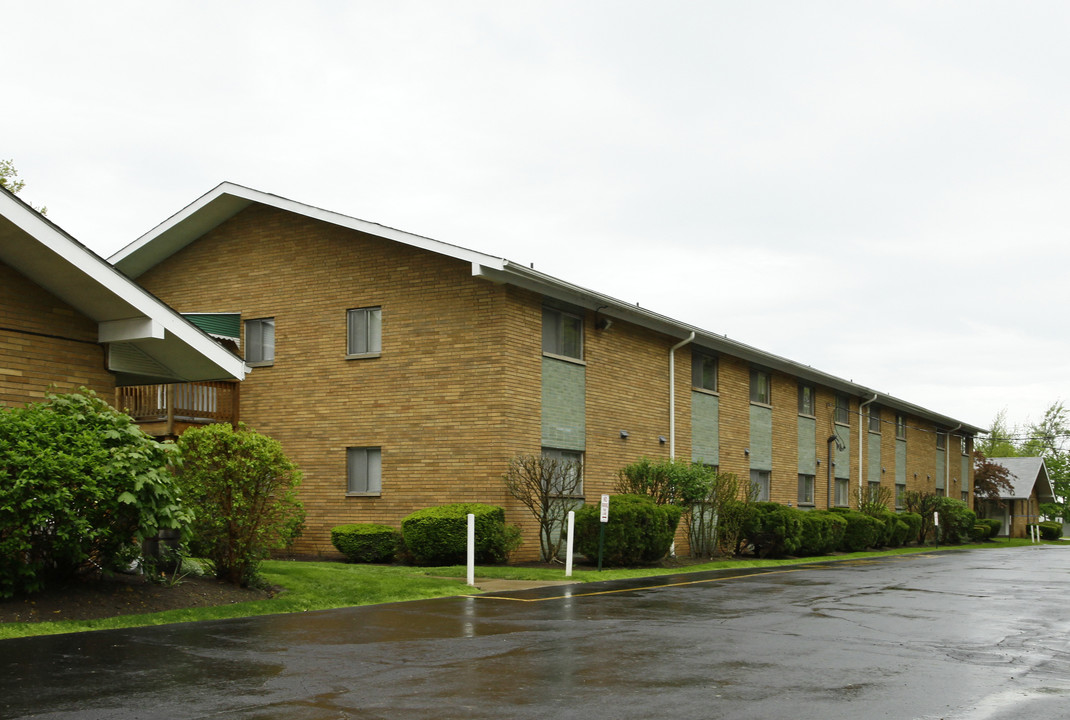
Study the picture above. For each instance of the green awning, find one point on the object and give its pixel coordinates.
(226, 326)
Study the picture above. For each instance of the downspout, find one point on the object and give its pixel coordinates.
(672, 393)
(861, 438)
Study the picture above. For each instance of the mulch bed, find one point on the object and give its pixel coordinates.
(89, 599)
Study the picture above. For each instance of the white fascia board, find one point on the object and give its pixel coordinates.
(142, 328)
(228, 199)
(110, 280)
(530, 279)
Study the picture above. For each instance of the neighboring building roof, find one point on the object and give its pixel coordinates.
(147, 341)
(228, 199)
(1025, 474)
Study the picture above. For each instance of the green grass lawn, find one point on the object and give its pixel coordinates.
(324, 585)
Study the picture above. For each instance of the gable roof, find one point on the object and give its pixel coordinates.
(227, 200)
(1026, 473)
(147, 340)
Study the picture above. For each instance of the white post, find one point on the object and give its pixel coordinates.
(568, 544)
(471, 549)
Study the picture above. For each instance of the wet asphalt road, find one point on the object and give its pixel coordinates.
(956, 635)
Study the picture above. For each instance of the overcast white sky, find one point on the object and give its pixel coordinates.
(877, 189)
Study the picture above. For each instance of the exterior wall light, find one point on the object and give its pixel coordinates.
(623, 434)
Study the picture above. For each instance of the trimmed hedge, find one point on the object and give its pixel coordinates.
(774, 530)
(994, 525)
(1050, 530)
(366, 542)
(822, 532)
(979, 532)
(638, 531)
(862, 531)
(913, 522)
(439, 535)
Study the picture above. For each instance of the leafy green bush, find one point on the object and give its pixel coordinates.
(638, 530)
(439, 535)
(80, 486)
(913, 522)
(774, 530)
(822, 532)
(895, 530)
(243, 491)
(1050, 530)
(956, 521)
(862, 531)
(980, 532)
(365, 542)
(994, 526)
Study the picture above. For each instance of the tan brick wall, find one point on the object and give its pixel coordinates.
(452, 397)
(45, 343)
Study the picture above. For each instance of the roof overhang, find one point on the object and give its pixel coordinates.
(131, 321)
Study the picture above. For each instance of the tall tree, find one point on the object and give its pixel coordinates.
(9, 180)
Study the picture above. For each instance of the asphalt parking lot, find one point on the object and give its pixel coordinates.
(956, 635)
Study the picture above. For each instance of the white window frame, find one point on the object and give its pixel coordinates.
(758, 378)
(260, 341)
(554, 340)
(807, 405)
(700, 361)
(573, 455)
(842, 492)
(364, 471)
(364, 332)
(762, 479)
(806, 489)
(900, 427)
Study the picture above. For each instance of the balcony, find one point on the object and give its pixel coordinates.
(167, 410)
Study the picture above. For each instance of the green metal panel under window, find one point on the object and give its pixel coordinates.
(842, 452)
(761, 438)
(965, 476)
(564, 389)
(873, 464)
(807, 446)
(900, 462)
(940, 471)
(227, 325)
(705, 433)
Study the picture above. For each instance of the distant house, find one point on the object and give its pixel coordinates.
(1020, 506)
(401, 372)
(69, 319)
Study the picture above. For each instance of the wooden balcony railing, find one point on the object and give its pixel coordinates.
(168, 409)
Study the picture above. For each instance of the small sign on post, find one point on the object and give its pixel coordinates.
(603, 515)
(936, 528)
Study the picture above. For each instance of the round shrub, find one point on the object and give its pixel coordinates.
(1050, 530)
(365, 542)
(913, 522)
(956, 521)
(774, 530)
(638, 531)
(862, 531)
(439, 535)
(980, 532)
(994, 526)
(822, 532)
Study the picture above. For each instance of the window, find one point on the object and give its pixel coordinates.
(364, 470)
(806, 489)
(966, 496)
(941, 440)
(842, 492)
(760, 480)
(874, 491)
(759, 387)
(704, 371)
(572, 484)
(874, 419)
(900, 427)
(364, 331)
(806, 400)
(963, 444)
(260, 341)
(900, 495)
(843, 410)
(562, 333)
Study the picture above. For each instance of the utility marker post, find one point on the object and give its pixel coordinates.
(603, 516)
(471, 549)
(936, 528)
(568, 544)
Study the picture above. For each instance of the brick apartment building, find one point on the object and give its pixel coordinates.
(68, 319)
(400, 372)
